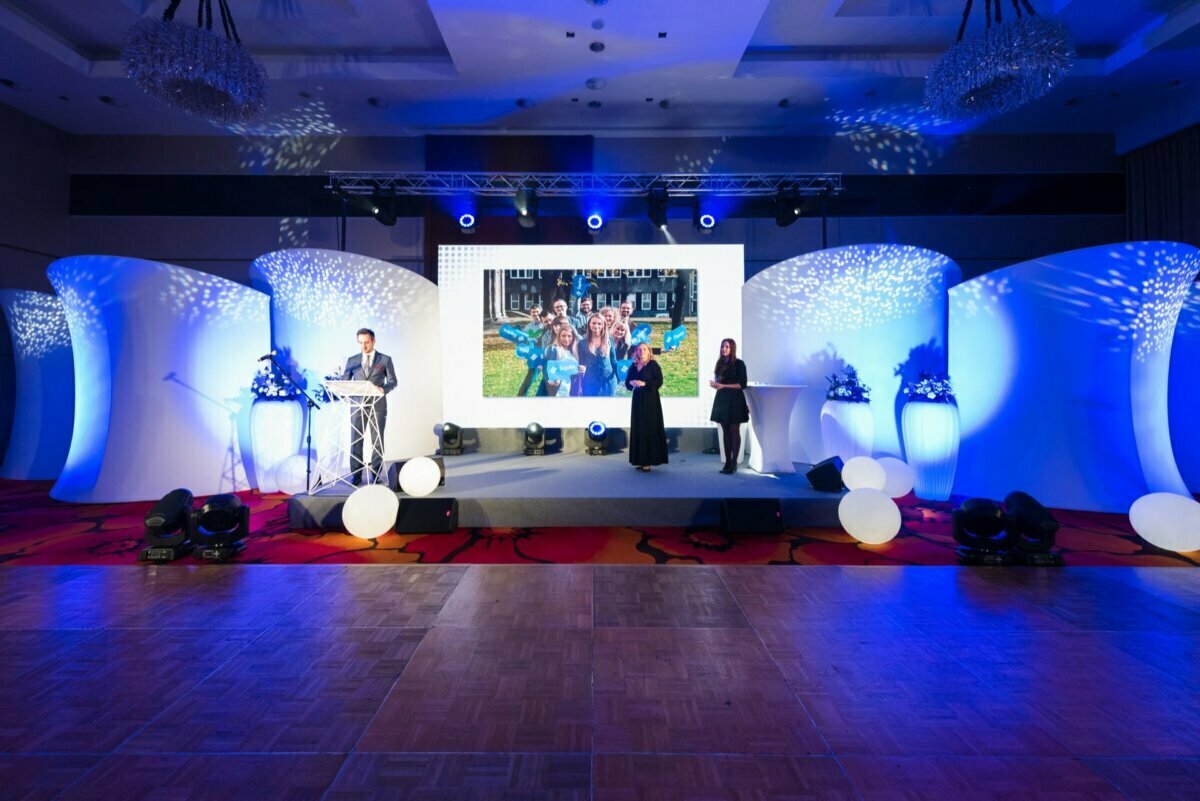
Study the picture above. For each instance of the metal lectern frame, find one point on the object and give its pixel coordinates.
(347, 398)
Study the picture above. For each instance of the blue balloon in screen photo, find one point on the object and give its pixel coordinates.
(513, 334)
(623, 368)
(558, 370)
(525, 350)
(639, 334)
(535, 359)
(579, 285)
(673, 338)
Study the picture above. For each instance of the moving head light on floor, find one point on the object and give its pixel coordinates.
(168, 528)
(221, 525)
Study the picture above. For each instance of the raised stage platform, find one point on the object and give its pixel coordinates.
(573, 489)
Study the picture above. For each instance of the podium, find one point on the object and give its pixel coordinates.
(349, 401)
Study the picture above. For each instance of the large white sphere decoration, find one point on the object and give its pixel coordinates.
(291, 474)
(1167, 520)
(370, 511)
(900, 477)
(420, 476)
(863, 472)
(869, 516)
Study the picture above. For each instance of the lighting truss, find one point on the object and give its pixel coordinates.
(575, 184)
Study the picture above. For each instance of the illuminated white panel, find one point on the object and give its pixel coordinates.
(880, 308)
(1185, 389)
(164, 356)
(1061, 369)
(45, 385)
(719, 276)
(320, 298)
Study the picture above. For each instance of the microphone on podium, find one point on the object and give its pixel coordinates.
(268, 356)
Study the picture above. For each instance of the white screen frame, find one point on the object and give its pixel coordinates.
(720, 272)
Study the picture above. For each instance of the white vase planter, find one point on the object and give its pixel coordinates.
(275, 430)
(931, 436)
(847, 429)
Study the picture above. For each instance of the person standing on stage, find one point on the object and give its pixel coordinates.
(369, 365)
(647, 435)
(729, 409)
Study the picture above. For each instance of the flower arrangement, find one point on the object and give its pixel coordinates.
(930, 388)
(848, 387)
(319, 394)
(269, 383)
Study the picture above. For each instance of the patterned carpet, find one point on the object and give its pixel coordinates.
(36, 530)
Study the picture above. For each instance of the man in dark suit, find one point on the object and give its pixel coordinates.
(370, 365)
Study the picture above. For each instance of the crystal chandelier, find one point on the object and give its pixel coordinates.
(194, 69)
(1006, 66)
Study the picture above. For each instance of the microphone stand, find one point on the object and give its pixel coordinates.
(309, 405)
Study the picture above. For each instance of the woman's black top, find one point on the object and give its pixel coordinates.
(729, 407)
(647, 435)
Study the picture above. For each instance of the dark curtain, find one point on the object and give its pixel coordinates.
(1162, 186)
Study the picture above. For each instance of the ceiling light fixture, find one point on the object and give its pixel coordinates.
(1006, 66)
(195, 70)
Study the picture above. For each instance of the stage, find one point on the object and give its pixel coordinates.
(572, 489)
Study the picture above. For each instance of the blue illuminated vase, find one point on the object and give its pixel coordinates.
(847, 429)
(275, 430)
(931, 437)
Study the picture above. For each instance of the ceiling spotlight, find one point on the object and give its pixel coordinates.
(466, 222)
(787, 207)
(597, 434)
(656, 207)
(525, 202)
(704, 220)
(595, 223)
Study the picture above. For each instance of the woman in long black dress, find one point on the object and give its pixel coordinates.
(647, 436)
(729, 409)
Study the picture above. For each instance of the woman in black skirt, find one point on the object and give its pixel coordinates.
(729, 409)
(647, 436)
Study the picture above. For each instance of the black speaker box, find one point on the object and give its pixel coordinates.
(826, 476)
(427, 515)
(751, 516)
(393, 472)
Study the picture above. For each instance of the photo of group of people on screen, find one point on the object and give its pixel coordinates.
(573, 347)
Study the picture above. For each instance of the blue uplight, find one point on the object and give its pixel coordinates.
(707, 221)
(595, 222)
(466, 220)
(596, 429)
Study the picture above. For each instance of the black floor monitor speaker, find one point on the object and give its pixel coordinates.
(752, 516)
(826, 476)
(427, 515)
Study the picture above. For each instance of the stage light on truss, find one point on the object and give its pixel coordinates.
(656, 207)
(597, 435)
(466, 222)
(452, 439)
(595, 223)
(703, 219)
(526, 204)
(221, 525)
(787, 207)
(384, 209)
(168, 528)
(535, 440)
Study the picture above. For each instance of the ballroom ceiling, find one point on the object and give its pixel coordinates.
(614, 67)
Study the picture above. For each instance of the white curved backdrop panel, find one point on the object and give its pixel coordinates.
(880, 308)
(164, 356)
(320, 298)
(1185, 389)
(1061, 369)
(45, 385)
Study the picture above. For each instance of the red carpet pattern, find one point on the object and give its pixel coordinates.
(36, 530)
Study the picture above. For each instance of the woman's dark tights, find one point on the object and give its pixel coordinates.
(731, 434)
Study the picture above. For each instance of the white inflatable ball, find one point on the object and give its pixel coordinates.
(291, 474)
(1167, 520)
(370, 511)
(869, 516)
(900, 478)
(420, 476)
(863, 472)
